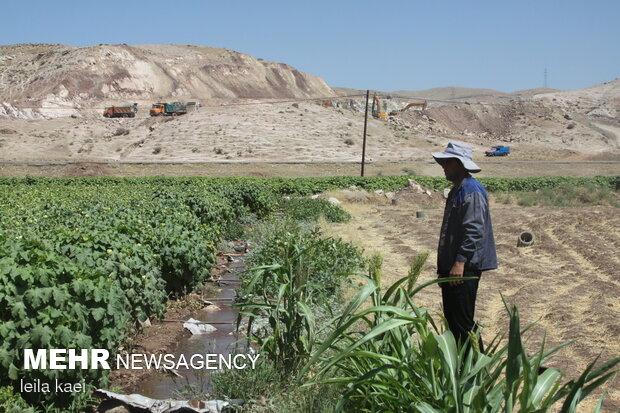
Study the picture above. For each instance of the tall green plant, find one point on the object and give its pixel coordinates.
(288, 313)
(296, 272)
(391, 356)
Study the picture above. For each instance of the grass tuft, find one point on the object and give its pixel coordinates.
(564, 195)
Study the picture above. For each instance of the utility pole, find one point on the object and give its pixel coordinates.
(365, 126)
(545, 81)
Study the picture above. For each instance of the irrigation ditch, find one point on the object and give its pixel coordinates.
(211, 306)
(223, 341)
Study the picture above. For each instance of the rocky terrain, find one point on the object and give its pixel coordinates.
(56, 77)
(583, 121)
(52, 98)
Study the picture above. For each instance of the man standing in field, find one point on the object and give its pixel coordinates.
(466, 244)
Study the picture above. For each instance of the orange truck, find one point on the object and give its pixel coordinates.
(158, 109)
(168, 109)
(121, 111)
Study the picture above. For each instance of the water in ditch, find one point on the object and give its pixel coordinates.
(223, 341)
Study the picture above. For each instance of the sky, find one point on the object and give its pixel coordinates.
(379, 45)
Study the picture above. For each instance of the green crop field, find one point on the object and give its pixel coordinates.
(83, 260)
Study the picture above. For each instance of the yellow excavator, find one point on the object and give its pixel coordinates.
(378, 110)
(422, 105)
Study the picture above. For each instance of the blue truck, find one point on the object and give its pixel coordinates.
(499, 150)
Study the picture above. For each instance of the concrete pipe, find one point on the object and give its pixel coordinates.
(525, 239)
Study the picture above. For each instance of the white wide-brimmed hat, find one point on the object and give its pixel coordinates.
(460, 151)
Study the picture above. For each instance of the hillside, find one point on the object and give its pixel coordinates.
(438, 93)
(451, 93)
(585, 120)
(57, 76)
(247, 114)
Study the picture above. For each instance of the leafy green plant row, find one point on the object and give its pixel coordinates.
(79, 268)
(309, 185)
(563, 195)
(80, 264)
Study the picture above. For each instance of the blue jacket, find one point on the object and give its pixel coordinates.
(466, 232)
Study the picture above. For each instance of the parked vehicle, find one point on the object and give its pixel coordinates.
(192, 106)
(175, 108)
(158, 109)
(498, 150)
(168, 109)
(121, 111)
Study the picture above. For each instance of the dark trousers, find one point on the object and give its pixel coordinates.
(459, 305)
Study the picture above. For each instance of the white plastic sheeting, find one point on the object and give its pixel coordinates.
(198, 327)
(168, 405)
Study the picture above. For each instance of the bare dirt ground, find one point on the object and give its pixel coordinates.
(498, 168)
(266, 131)
(278, 132)
(52, 99)
(568, 282)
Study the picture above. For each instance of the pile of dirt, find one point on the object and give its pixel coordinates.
(571, 123)
(56, 77)
(586, 120)
(414, 193)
